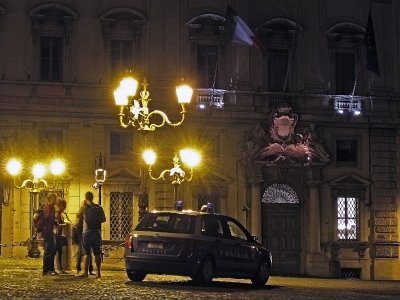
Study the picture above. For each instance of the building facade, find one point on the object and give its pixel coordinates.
(299, 139)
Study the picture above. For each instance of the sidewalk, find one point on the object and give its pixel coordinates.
(109, 264)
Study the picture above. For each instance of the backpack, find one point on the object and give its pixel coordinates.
(38, 220)
(94, 216)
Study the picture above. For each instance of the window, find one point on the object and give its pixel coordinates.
(205, 36)
(235, 231)
(51, 142)
(346, 151)
(211, 144)
(51, 58)
(280, 193)
(205, 198)
(211, 225)
(279, 37)
(277, 70)
(345, 73)
(206, 66)
(120, 145)
(121, 56)
(167, 222)
(121, 214)
(51, 30)
(122, 30)
(347, 218)
(345, 45)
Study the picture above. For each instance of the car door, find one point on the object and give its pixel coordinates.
(242, 254)
(212, 230)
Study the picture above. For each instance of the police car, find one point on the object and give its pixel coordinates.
(197, 244)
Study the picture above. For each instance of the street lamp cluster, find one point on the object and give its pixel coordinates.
(136, 113)
(34, 185)
(39, 170)
(176, 174)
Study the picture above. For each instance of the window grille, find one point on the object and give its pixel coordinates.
(203, 199)
(121, 214)
(280, 193)
(347, 218)
(43, 196)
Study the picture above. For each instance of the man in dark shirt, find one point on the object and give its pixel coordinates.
(93, 217)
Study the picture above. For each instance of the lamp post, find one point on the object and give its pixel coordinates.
(176, 175)
(99, 174)
(34, 186)
(136, 113)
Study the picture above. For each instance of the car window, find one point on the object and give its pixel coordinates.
(166, 222)
(210, 225)
(235, 230)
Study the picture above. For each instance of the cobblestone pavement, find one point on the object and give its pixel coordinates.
(22, 279)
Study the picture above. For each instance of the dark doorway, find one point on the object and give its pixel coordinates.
(281, 230)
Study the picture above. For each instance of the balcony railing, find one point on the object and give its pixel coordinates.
(210, 98)
(348, 103)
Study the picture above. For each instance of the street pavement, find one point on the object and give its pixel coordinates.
(21, 278)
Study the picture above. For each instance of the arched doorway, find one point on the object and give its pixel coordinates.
(281, 228)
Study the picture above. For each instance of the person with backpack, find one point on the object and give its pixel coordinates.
(77, 239)
(47, 223)
(93, 216)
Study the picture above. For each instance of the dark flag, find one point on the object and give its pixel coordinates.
(239, 31)
(370, 47)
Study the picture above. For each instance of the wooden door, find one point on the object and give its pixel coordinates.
(282, 236)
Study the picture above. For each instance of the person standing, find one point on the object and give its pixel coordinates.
(61, 240)
(78, 228)
(93, 217)
(49, 236)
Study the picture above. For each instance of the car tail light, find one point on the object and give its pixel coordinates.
(128, 242)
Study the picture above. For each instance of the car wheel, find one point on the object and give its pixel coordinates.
(206, 272)
(135, 275)
(262, 275)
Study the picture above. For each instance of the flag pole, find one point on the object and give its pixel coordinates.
(221, 34)
(291, 50)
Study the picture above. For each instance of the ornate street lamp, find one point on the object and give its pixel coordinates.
(136, 113)
(34, 186)
(176, 175)
(99, 174)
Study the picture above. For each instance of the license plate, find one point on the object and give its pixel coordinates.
(155, 245)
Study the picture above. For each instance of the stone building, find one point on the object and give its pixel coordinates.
(299, 139)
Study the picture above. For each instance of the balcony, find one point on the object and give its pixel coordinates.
(348, 104)
(210, 98)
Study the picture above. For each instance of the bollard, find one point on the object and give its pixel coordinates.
(68, 249)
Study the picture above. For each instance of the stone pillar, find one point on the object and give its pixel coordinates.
(314, 219)
(256, 179)
(316, 263)
(256, 210)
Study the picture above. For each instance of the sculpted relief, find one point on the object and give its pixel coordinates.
(282, 143)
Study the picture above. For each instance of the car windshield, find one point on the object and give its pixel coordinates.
(167, 222)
